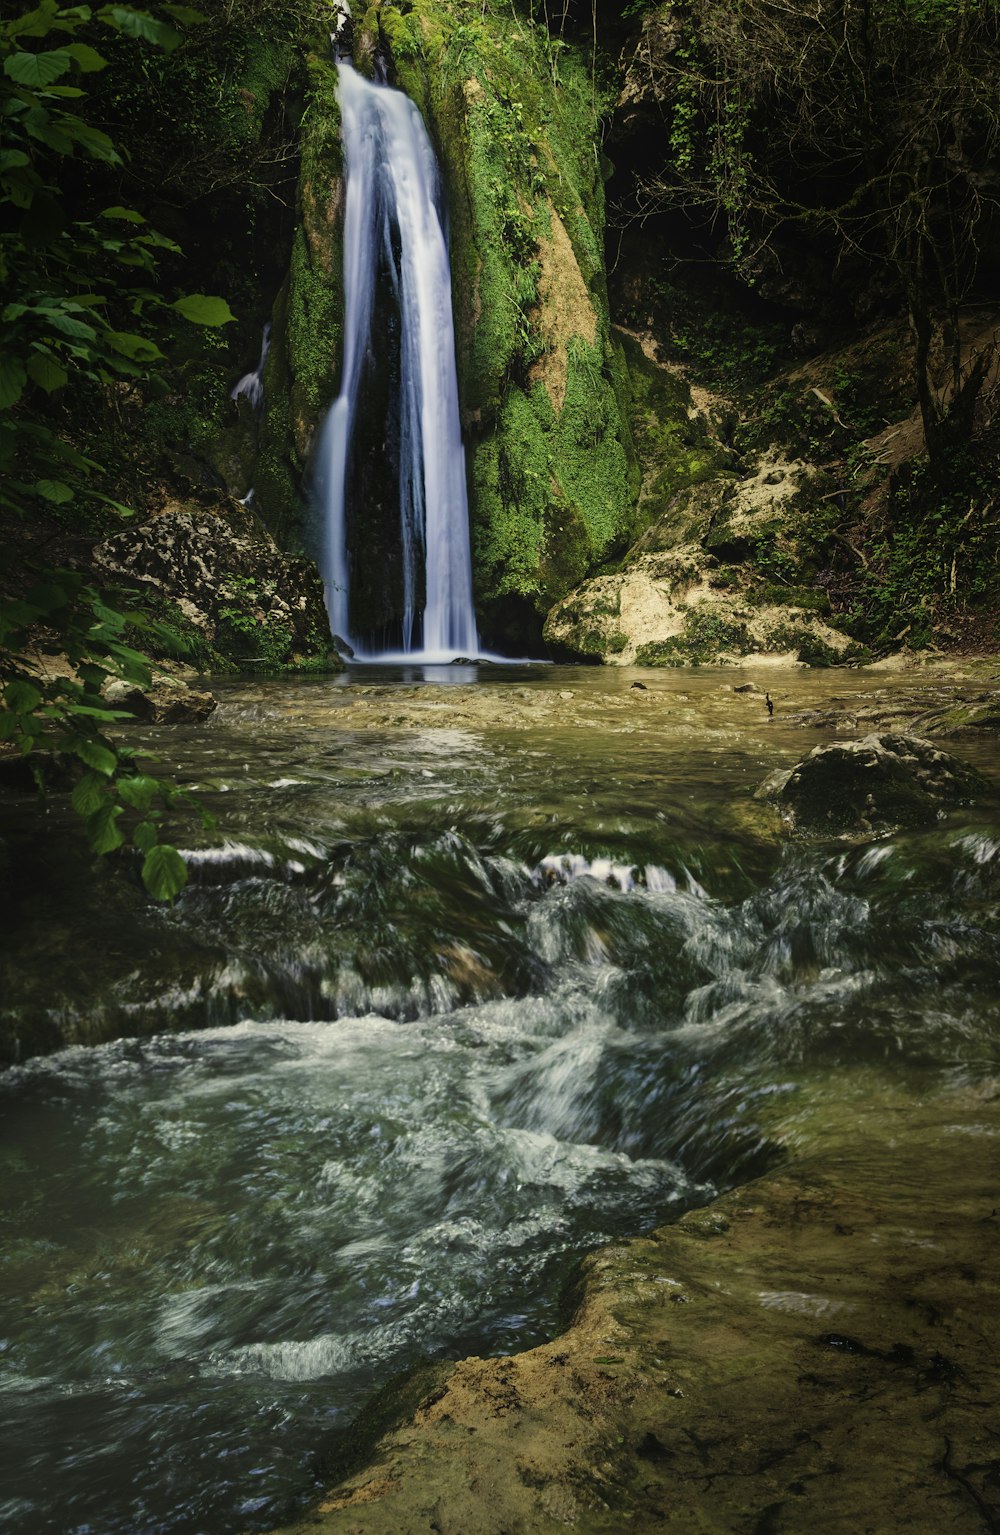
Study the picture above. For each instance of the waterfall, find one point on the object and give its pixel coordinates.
(394, 220)
(251, 385)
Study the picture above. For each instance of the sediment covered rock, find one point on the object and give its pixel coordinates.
(166, 702)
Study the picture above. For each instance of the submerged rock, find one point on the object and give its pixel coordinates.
(963, 716)
(875, 782)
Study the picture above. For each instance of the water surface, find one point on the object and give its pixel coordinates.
(471, 976)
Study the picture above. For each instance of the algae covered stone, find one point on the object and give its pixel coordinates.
(874, 783)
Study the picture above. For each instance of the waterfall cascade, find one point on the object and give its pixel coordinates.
(251, 385)
(394, 221)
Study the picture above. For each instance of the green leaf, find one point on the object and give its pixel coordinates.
(54, 491)
(35, 69)
(90, 794)
(39, 124)
(37, 23)
(139, 792)
(157, 241)
(21, 697)
(186, 15)
(21, 187)
(88, 59)
(102, 829)
(12, 380)
(68, 324)
(101, 758)
(117, 506)
(132, 663)
(145, 836)
(164, 872)
(13, 159)
(136, 347)
(106, 716)
(96, 143)
(46, 372)
(128, 214)
(47, 597)
(141, 25)
(200, 309)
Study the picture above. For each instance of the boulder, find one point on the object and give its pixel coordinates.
(663, 610)
(165, 702)
(872, 784)
(250, 600)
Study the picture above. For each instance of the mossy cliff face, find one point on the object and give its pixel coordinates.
(542, 381)
(303, 364)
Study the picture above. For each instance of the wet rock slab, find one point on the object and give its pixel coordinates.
(816, 1351)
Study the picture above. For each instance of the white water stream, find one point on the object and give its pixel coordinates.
(393, 217)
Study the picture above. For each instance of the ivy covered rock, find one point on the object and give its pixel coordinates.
(873, 784)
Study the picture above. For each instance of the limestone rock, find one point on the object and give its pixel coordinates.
(166, 702)
(677, 598)
(231, 583)
(879, 781)
(741, 1370)
(648, 84)
(755, 508)
(663, 610)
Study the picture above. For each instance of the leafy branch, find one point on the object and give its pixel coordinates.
(82, 308)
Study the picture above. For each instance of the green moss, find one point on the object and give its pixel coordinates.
(707, 635)
(511, 493)
(590, 459)
(774, 595)
(670, 652)
(566, 549)
(300, 379)
(674, 451)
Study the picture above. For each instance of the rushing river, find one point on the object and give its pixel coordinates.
(469, 978)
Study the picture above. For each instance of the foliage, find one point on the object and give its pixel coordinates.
(83, 302)
(934, 555)
(247, 634)
(67, 717)
(868, 128)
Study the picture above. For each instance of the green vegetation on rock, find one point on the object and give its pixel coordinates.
(553, 472)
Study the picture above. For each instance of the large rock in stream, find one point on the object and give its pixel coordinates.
(815, 1351)
(870, 784)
